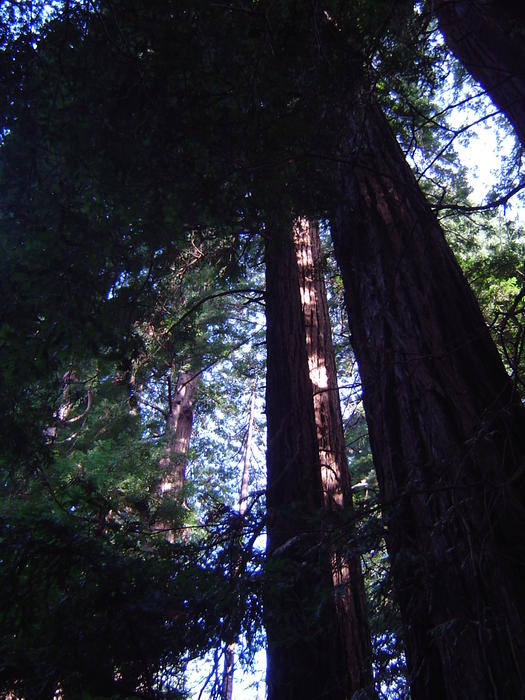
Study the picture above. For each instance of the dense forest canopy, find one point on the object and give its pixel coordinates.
(262, 352)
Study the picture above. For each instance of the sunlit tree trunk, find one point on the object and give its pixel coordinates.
(488, 38)
(446, 428)
(353, 629)
(305, 659)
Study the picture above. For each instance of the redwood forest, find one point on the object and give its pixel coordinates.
(262, 350)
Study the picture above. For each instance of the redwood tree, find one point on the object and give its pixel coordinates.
(446, 427)
(349, 594)
(305, 658)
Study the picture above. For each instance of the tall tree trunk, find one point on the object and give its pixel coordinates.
(488, 37)
(229, 652)
(304, 658)
(353, 629)
(446, 428)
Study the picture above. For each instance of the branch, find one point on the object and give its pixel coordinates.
(433, 118)
(152, 405)
(457, 133)
(89, 403)
(501, 201)
(209, 297)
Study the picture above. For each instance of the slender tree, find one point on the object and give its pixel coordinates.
(301, 623)
(446, 428)
(229, 652)
(318, 640)
(353, 630)
(488, 37)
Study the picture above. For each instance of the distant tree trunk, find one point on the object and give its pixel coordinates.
(229, 652)
(353, 629)
(227, 673)
(446, 428)
(245, 480)
(179, 423)
(488, 38)
(304, 657)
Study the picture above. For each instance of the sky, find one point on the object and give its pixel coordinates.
(487, 146)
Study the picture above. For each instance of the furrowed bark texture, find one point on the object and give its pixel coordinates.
(488, 38)
(303, 656)
(352, 620)
(446, 429)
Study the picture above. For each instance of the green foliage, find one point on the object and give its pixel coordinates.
(79, 608)
(494, 267)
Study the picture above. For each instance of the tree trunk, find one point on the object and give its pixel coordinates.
(245, 479)
(488, 38)
(178, 432)
(173, 462)
(227, 673)
(446, 428)
(353, 629)
(304, 659)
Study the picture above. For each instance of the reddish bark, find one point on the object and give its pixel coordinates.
(446, 428)
(179, 423)
(353, 630)
(304, 660)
